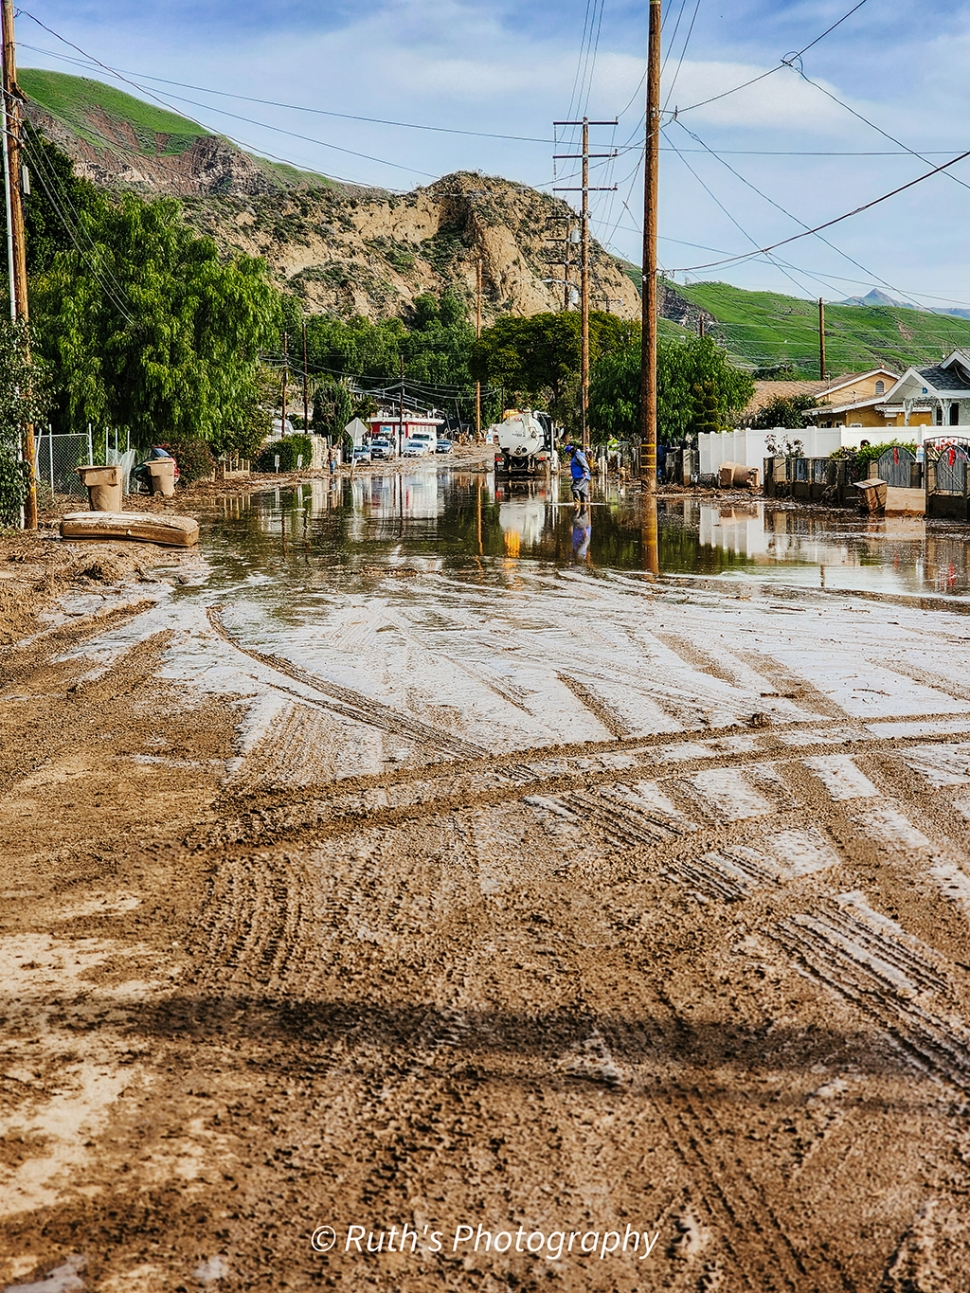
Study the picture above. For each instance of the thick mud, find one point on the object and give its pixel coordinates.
(551, 928)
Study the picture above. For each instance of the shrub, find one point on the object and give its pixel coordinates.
(194, 459)
(289, 448)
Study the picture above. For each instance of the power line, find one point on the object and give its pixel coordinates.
(294, 107)
(872, 125)
(785, 62)
(827, 224)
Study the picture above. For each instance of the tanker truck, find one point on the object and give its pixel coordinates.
(525, 444)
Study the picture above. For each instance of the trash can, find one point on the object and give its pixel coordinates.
(161, 476)
(103, 485)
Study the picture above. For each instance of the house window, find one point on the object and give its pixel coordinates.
(880, 388)
(939, 415)
(955, 414)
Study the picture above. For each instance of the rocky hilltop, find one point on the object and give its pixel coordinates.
(341, 249)
(372, 253)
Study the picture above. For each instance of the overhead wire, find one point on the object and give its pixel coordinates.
(778, 207)
(827, 224)
(294, 107)
(785, 62)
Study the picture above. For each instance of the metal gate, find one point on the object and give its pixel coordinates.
(896, 467)
(948, 482)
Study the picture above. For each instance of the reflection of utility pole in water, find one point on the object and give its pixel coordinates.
(648, 522)
(479, 518)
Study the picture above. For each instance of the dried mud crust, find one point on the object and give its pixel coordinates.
(709, 980)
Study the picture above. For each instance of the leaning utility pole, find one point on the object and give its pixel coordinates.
(651, 176)
(478, 333)
(585, 190)
(306, 391)
(821, 339)
(16, 246)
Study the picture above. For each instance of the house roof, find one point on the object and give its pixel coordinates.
(765, 392)
(945, 378)
(828, 409)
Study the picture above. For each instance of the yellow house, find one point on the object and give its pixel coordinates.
(861, 401)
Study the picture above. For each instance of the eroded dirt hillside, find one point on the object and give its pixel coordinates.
(372, 253)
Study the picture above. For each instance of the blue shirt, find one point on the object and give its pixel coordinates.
(579, 467)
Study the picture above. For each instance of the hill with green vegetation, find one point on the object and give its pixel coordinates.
(121, 141)
(764, 330)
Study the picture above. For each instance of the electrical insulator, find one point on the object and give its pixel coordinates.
(25, 181)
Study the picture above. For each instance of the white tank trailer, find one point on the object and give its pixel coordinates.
(525, 445)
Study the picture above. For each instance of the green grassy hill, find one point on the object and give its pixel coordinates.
(761, 329)
(106, 118)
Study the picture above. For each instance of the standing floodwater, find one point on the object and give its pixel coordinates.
(458, 520)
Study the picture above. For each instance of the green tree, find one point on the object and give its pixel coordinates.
(333, 408)
(783, 411)
(538, 359)
(24, 398)
(153, 331)
(682, 365)
(54, 207)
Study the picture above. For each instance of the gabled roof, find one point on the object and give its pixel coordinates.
(841, 383)
(947, 380)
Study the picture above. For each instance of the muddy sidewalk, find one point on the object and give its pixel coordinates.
(590, 934)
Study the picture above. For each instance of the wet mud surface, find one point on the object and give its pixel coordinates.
(527, 896)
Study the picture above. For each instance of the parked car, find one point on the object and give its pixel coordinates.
(361, 453)
(443, 446)
(381, 449)
(419, 444)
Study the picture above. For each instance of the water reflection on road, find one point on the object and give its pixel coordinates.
(450, 519)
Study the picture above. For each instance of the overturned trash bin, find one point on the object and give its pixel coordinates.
(874, 492)
(103, 485)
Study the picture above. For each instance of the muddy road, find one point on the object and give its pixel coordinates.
(491, 922)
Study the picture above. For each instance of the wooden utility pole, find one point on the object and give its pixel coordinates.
(651, 177)
(286, 339)
(585, 190)
(701, 329)
(478, 333)
(306, 385)
(584, 292)
(400, 425)
(16, 246)
(821, 339)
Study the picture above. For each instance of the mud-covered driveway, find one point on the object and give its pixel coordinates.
(545, 931)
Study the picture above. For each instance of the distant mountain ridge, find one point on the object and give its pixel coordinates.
(879, 298)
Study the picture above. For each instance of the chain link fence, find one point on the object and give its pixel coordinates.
(58, 457)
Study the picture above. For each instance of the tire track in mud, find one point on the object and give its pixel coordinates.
(255, 920)
(783, 783)
(868, 960)
(600, 710)
(349, 703)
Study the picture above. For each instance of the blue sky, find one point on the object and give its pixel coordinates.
(511, 69)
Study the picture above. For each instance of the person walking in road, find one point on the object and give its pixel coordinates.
(579, 471)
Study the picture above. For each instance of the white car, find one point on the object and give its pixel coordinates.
(419, 444)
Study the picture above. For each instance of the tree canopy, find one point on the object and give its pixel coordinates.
(149, 329)
(537, 359)
(697, 390)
